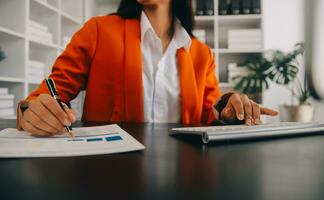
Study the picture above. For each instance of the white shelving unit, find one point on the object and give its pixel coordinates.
(217, 27)
(62, 17)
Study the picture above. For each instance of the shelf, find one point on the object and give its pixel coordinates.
(12, 80)
(71, 18)
(240, 20)
(46, 15)
(46, 5)
(228, 51)
(53, 3)
(205, 18)
(239, 17)
(44, 44)
(11, 33)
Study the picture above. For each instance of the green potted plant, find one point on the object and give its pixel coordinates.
(281, 68)
(304, 110)
(257, 80)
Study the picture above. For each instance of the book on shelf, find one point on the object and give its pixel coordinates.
(244, 40)
(6, 103)
(39, 35)
(7, 112)
(223, 7)
(256, 6)
(246, 6)
(36, 64)
(4, 91)
(7, 97)
(235, 7)
(234, 72)
(200, 7)
(39, 32)
(244, 33)
(37, 26)
(247, 47)
(205, 7)
(209, 7)
(36, 71)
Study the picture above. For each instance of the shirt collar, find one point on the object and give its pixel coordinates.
(180, 37)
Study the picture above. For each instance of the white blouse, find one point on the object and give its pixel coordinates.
(161, 86)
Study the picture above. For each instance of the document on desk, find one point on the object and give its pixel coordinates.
(88, 141)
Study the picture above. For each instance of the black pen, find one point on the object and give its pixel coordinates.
(52, 88)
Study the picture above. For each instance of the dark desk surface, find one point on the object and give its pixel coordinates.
(174, 168)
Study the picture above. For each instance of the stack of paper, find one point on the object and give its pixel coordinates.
(245, 39)
(36, 71)
(234, 72)
(6, 103)
(39, 32)
(200, 34)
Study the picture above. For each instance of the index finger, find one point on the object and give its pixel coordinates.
(268, 111)
(51, 104)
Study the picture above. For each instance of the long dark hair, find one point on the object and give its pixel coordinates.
(181, 9)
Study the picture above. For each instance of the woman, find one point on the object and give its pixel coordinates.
(142, 64)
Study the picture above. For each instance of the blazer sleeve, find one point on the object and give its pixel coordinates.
(71, 68)
(211, 94)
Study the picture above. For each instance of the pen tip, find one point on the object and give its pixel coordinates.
(71, 134)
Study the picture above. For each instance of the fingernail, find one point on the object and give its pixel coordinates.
(248, 122)
(240, 117)
(257, 121)
(66, 122)
(73, 118)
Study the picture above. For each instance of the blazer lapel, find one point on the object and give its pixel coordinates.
(133, 72)
(189, 92)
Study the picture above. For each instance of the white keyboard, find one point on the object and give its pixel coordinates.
(217, 133)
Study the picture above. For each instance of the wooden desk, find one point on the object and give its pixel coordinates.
(174, 168)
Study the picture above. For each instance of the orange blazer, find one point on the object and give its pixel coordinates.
(104, 58)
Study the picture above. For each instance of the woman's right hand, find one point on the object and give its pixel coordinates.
(44, 117)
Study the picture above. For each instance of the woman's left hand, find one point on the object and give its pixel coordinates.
(240, 107)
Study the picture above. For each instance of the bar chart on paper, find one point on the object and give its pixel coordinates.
(88, 141)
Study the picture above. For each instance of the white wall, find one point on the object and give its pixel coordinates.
(283, 28)
(100, 7)
(90, 9)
